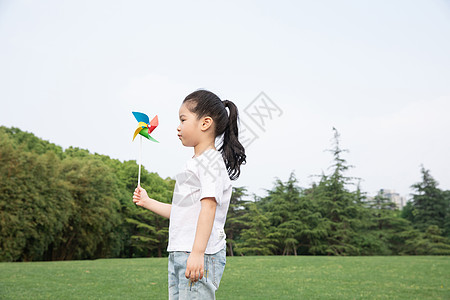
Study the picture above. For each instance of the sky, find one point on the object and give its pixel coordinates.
(71, 72)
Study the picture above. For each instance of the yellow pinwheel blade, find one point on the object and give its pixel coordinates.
(141, 126)
(137, 132)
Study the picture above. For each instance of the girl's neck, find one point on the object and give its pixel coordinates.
(200, 148)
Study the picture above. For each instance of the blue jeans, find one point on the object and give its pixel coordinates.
(181, 288)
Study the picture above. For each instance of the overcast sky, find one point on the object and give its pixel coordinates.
(71, 72)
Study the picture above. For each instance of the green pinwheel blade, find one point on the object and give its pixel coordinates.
(144, 132)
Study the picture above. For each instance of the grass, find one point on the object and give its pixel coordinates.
(264, 277)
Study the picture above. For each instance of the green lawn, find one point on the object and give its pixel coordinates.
(264, 277)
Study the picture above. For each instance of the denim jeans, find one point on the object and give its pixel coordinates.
(181, 288)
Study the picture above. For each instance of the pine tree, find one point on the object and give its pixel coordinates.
(385, 231)
(296, 226)
(255, 240)
(314, 228)
(446, 231)
(430, 206)
(430, 242)
(341, 207)
(235, 217)
(281, 206)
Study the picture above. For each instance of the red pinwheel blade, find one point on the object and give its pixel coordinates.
(153, 124)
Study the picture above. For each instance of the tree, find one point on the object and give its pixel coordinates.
(430, 242)
(32, 202)
(407, 211)
(72, 204)
(235, 217)
(430, 206)
(315, 228)
(148, 231)
(296, 226)
(339, 206)
(255, 239)
(281, 206)
(386, 230)
(446, 231)
(90, 230)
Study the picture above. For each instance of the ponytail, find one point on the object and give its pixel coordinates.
(232, 150)
(206, 103)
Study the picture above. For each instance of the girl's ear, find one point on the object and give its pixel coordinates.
(206, 123)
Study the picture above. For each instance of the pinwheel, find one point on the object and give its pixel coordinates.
(145, 127)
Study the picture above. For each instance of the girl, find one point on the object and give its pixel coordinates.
(201, 196)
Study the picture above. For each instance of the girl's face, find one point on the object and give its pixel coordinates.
(189, 128)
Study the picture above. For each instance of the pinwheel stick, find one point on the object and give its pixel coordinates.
(140, 160)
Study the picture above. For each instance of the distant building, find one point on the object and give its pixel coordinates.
(400, 201)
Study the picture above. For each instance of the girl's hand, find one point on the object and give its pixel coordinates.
(195, 266)
(140, 196)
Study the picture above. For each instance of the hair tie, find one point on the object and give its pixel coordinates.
(225, 104)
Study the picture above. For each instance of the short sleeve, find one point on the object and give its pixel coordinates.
(210, 173)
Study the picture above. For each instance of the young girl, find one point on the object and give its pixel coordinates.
(201, 196)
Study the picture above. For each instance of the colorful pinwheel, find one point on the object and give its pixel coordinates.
(144, 129)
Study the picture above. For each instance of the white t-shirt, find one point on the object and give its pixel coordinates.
(203, 176)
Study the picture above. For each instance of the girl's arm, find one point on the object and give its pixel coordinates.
(195, 262)
(141, 198)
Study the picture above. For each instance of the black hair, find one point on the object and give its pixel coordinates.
(205, 103)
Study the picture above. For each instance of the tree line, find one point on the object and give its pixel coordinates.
(69, 204)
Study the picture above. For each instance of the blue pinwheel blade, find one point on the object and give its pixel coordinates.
(141, 117)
